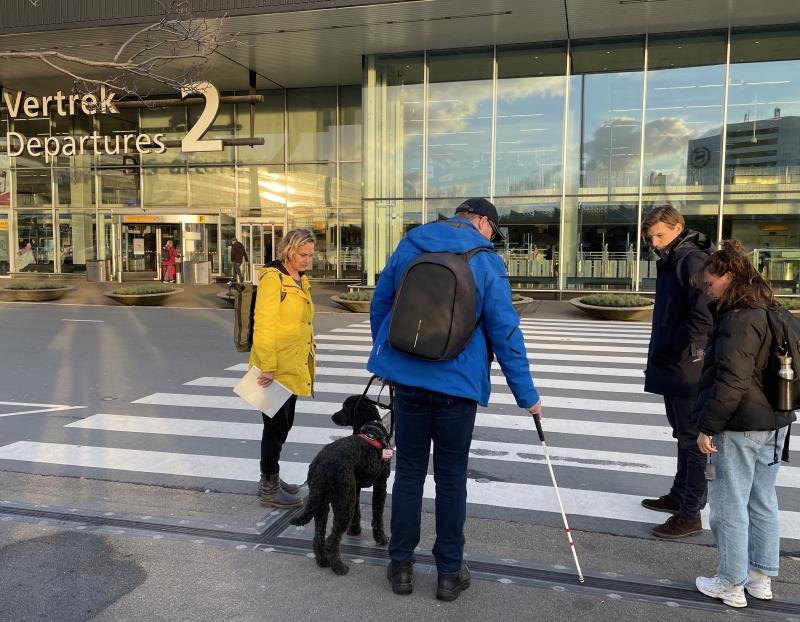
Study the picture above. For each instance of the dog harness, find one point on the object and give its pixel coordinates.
(386, 451)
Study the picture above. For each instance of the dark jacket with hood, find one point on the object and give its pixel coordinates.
(238, 253)
(682, 321)
(731, 394)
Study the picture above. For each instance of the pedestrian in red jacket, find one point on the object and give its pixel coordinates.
(168, 256)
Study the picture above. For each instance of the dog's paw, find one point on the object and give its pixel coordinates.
(380, 537)
(340, 568)
(322, 562)
(354, 530)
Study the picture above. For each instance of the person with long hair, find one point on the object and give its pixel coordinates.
(283, 349)
(740, 430)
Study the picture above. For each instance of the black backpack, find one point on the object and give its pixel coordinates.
(433, 314)
(164, 254)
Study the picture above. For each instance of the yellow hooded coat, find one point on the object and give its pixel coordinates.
(283, 335)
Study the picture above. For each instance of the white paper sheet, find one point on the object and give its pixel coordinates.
(266, 399)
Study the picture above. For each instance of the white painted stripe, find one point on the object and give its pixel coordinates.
(534, 329)
(487, 450)
(498, 380)
(532, 355)
(597, 323)
(493, 494)
(236, 403)
(64, 319)
(528, 344)
(591, 338)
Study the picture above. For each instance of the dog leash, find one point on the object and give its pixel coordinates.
(379, 403)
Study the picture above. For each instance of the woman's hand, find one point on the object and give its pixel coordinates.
(265, 378)
(706, 444)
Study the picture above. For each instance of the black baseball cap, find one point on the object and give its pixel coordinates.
(482, 207)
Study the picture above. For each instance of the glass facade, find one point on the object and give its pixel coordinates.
(120, 207)
(574, 142)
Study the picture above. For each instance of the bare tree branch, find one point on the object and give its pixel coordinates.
(172, 52)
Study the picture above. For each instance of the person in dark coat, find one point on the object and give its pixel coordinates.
(740, 430)
(238, 254)
(681, 326)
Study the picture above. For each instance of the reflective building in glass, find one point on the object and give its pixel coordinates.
(574, 117)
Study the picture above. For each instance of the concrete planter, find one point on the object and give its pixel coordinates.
(35, 295)
(226, 297)
(146, 300)
(625, 314)
(362, 306)
(356, 306)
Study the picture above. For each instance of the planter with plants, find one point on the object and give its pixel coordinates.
(34, 291)
(790, 304)
(148, 295)
(358, 301)
(626, 307)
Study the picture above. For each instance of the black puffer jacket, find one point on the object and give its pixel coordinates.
(681, 319)
(731, 396)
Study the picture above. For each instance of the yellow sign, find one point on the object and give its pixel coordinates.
(3, 225)
(145, 219)
(201, 219)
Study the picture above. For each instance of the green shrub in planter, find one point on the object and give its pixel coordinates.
(32, 285)
(616, 300)
(361, 295)
(791, 304)
(141, 290)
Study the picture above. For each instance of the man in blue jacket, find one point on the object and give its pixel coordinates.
(437, 400)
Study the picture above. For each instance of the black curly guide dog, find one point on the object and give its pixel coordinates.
(338, 473)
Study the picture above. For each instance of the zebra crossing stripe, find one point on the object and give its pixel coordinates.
(499, 380)
(589, 503)
(589, 323)
(595, 338)
(485, 450)
(533, 355)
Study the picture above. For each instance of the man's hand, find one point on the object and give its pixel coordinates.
(265, 378)
(706, 444)
(536, 409)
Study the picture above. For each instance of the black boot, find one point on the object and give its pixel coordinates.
(450, 586)
(400, 575)
(273, 495)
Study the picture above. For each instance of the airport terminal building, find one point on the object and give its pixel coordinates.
(361, 119)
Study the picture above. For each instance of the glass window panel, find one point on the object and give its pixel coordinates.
(76, 126)
(33, 188)
(39, 127)
(605, 118)
(262, 191)
(350, 123)
(172, 123)
(531, 88)
(77, 234)
(212, 186)
(269, 125)
(312, 124)
(386, 221)
(685, 101)
(530, 252)
(351, 243)
(36, 251)
(459, 123)
(350, 183)
(393, 148)
(311, 185)
(120, 187)
(223, 127)
(122, 124)
(322, 223)
(769, 228)
(74, 186)
(164, 186)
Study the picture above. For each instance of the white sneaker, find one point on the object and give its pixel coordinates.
(731, 595)
(759, 588)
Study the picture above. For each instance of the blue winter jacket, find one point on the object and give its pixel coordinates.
(467, 375)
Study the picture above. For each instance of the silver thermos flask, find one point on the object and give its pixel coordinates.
(786, 384)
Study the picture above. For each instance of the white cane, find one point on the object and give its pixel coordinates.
(538, 423)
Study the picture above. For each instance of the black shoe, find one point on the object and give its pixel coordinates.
(678, 527)
(662, 504)
(450, 586)
(400, 575)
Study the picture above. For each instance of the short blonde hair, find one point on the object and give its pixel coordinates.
(293, 240)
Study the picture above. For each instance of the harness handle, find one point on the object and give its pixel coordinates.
(378, 403)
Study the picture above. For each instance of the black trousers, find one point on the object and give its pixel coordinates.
(689, 489)
(276, 429)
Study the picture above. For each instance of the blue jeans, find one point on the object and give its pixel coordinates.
(744, 504)
(237, 272)
(422, 416)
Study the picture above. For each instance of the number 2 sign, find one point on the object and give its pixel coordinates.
(193, 141)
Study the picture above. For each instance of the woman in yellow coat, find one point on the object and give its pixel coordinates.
(283, 349)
